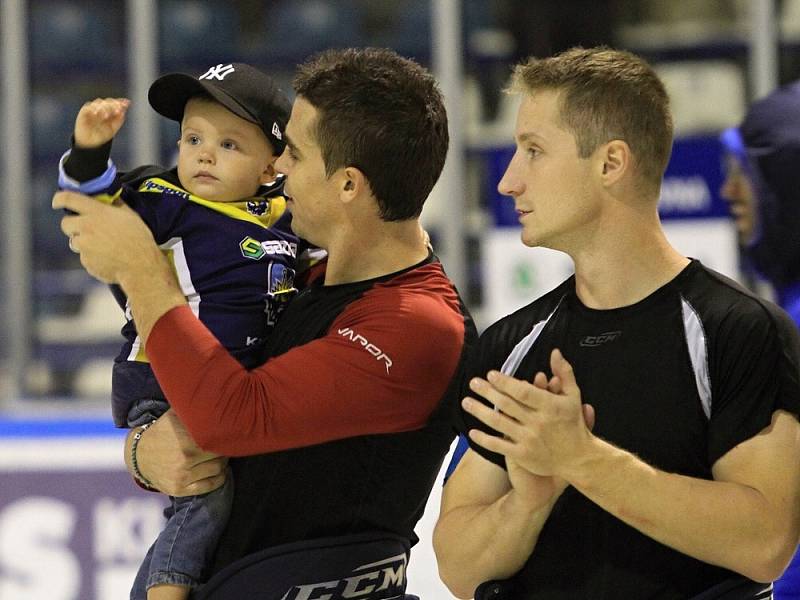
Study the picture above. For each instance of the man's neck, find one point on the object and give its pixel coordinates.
(372, 251)
(625, 264)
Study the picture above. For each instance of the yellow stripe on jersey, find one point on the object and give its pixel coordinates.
(236, 210)
(108, 198)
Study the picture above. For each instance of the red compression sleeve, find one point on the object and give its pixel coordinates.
(334, 387)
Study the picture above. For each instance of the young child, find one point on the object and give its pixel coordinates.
(220, 218)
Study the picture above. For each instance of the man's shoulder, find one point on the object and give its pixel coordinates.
(521, 321)
(734, 319)
(717, 297)
(418, 307)
(423, 295)
(418, 283)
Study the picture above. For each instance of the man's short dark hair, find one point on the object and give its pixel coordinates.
(382, 114)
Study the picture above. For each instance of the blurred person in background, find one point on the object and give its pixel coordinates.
(762, 161)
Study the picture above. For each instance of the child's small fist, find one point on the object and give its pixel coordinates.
(99, 120)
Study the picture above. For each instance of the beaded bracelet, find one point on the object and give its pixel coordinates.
(134, 463)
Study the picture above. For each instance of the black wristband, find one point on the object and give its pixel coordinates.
(84, 164)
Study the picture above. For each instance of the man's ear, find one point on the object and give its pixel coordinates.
(352, 183)
(616, 160)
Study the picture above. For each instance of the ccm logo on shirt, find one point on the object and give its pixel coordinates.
(595, 340)
(387, 576)
(371, 348)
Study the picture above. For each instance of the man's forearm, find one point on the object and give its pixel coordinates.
(722, 523)
(475, 544)
(151, 289)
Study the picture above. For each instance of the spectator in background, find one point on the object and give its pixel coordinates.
(762, 158)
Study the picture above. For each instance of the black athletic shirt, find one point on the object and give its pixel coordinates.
(679, 379)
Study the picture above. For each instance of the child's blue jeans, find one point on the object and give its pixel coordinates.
(185, 548)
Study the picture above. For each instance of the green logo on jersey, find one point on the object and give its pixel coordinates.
(252, 248)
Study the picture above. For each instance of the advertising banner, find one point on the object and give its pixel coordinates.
(73, 526)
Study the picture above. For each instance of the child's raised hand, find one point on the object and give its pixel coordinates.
(99, 120)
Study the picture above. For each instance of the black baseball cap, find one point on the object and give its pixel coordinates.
(244, 90)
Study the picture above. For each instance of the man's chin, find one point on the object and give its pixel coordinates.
(530, 241)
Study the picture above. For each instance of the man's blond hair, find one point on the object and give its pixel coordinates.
(606, 95)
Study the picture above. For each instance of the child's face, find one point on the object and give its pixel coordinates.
(222, 157)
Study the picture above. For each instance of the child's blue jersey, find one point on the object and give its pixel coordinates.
(234, 261)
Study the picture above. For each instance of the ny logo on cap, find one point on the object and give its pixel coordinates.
(219, 72)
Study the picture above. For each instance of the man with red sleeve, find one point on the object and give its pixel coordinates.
(344, 427)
